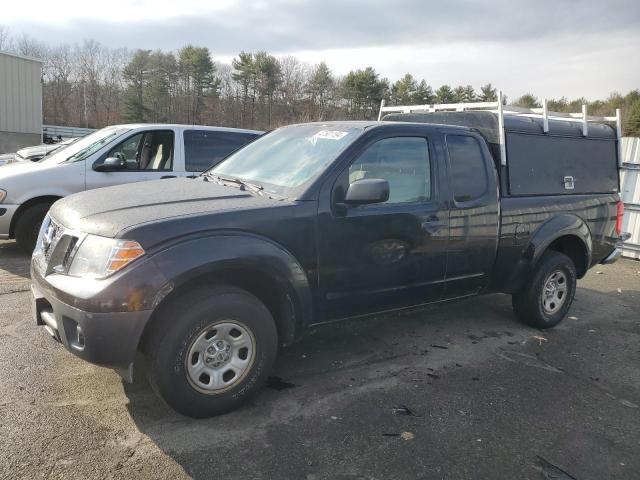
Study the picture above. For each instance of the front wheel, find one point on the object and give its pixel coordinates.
(211, 350)
(549, 292)
(28, 226)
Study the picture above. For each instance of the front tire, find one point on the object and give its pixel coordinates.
(548, 293)
(28, 226)
(211, 350)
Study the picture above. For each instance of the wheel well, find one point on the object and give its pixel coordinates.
(26, 205)
(269, 290)
(574, 248)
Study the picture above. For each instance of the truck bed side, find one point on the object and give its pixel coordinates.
(582, 226)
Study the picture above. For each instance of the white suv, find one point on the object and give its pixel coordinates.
(111, 156)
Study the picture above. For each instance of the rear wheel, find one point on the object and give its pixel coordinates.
(548, 294)
(211, 350)
(28, 226)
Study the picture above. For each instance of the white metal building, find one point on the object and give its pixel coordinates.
(20, 102)
(630, 193)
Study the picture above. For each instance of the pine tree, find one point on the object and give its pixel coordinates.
(136, 76)
(423, 94)
(444, 94)
(403, 91)
(320, 85)
(488, 93)
(244, 73)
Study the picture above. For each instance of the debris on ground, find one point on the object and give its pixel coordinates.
(404, 410)
(619, 290)
(403, 435)
(550, 471)
(540, 339)
(433, 375)
(278, 383)
(440, 346)
(573, 318)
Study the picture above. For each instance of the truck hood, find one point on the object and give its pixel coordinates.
(108, 211)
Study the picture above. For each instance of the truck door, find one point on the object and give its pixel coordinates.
(387, 255)
(147, 155)
(474, 216)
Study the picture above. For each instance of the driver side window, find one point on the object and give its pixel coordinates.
(151, 150)
(401, 161)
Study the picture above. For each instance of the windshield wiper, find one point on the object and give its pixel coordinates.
(244, 185)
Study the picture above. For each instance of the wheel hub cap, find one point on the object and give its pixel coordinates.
(554, 292)
(219, 356)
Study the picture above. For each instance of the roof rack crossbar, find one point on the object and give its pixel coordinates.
(500, 109)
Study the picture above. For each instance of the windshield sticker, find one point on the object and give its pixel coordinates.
(330, 134)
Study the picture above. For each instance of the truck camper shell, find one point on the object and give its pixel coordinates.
(537, 152)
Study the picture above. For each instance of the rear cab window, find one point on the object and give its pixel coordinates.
(205, 148)
(469, 178)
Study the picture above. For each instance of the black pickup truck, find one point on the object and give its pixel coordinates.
(319, 222)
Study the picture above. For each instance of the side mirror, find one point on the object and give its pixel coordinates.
(366, 191)
(110, 164)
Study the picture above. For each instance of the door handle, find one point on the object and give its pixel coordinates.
(167, 176)
(432, 224)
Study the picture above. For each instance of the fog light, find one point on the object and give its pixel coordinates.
(74, 333)
(80, 338)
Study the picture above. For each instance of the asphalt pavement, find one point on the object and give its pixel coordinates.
(457, 391)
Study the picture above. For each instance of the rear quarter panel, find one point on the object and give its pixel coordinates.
(523, 221)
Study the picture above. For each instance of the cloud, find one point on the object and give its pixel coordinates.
(549, 47)
(293, 25)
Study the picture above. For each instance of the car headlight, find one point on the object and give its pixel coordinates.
(3, 195)
(98, 257)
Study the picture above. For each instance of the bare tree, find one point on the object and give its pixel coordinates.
(5, 39)
(295, 75)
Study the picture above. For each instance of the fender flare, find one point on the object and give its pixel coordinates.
(563, 225)
(551, 230)
(205, 255)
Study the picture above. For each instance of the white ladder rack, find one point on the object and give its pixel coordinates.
(500, 109)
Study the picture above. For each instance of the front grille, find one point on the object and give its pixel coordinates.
(50, 238)
(55, 247)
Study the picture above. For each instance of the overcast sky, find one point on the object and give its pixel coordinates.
(551, 48)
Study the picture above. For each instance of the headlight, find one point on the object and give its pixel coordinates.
(3, 195)
(99, 257)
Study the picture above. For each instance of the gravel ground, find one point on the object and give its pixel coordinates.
(487, 397)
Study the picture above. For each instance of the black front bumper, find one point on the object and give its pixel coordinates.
(107, 337)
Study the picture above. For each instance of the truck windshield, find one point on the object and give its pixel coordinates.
(84, 147)
(288, 157)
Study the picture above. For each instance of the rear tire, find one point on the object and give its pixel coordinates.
(211, 350)
(548, 293)
(28, 226)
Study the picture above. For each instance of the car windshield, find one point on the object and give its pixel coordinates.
(85, 146)
(288, 157)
